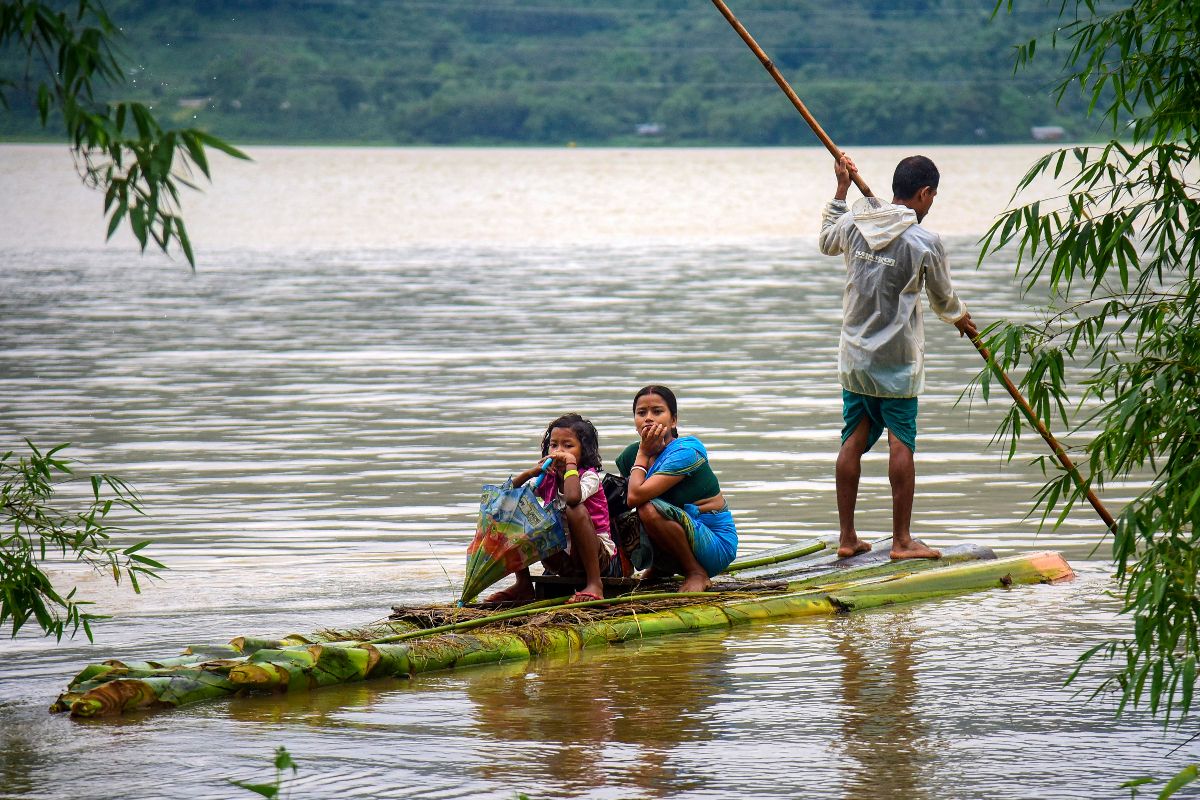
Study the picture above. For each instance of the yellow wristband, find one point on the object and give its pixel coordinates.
(570, 472)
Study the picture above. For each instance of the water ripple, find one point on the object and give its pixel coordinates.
(310, 432)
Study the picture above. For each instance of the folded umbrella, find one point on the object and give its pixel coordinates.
(514, 530)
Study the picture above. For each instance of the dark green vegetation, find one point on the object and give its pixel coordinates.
(35, 526)
(499, 71)
(62, 73)
(1118, 348)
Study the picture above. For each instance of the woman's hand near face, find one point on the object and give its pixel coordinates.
(654, 439)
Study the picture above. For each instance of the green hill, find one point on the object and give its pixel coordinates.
(556, 71)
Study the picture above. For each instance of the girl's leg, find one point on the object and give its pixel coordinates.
(668, 534)
(585, 547)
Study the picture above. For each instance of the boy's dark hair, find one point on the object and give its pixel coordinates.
(911, 174)
(585, 431)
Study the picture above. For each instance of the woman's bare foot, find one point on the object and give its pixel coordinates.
(695, 583)
(858, 548)
(914, 549)
(517, 593)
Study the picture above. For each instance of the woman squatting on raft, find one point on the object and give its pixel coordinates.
(573, 483)
(677, 496)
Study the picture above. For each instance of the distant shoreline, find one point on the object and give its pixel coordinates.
(614, 145)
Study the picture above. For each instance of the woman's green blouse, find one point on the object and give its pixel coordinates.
(699, 482)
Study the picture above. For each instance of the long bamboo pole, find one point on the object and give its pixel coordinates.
(1055, 446)
(787, 89)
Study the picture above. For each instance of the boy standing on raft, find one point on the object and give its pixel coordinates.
(889, 259)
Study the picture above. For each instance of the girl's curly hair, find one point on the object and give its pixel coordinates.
(585, 431)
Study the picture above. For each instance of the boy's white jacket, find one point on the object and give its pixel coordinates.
(889, 260)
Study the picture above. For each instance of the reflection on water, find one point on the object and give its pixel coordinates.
(581, 708)
(309, 419)
(881, 729)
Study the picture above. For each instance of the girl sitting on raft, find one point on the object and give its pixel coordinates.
(573, 481)
(676, 494)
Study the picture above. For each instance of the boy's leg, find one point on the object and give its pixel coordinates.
(669, 535)
(585, 547)
(848, 472)
(902, 473)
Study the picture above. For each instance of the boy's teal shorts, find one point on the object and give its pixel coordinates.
(897, 414)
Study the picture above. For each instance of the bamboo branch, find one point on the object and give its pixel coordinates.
(1055, 446)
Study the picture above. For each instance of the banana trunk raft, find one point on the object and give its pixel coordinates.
(443, 637)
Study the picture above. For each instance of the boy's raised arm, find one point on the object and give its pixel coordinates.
(830, 241)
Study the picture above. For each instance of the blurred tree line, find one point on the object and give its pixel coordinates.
(500, 71)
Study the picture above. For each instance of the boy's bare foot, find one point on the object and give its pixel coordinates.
(513, 594)
(858, 548)
(914, 549)
(695, 583)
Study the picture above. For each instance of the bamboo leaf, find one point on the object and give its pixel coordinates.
(147, 561)
(184, 242)
(219, 144)
(115, 221)
(1136, 782)
(1188, 684)
(1181, 779)
(268, 790)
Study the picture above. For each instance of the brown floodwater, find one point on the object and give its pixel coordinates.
(373, 334)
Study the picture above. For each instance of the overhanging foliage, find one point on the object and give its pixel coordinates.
(1117, 349)
(120, 148)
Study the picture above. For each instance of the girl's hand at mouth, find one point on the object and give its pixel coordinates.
(563, 462)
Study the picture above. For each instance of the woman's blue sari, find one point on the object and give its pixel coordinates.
(680, 457)
(712, 534)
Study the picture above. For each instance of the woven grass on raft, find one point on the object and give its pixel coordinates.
(436, 616)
